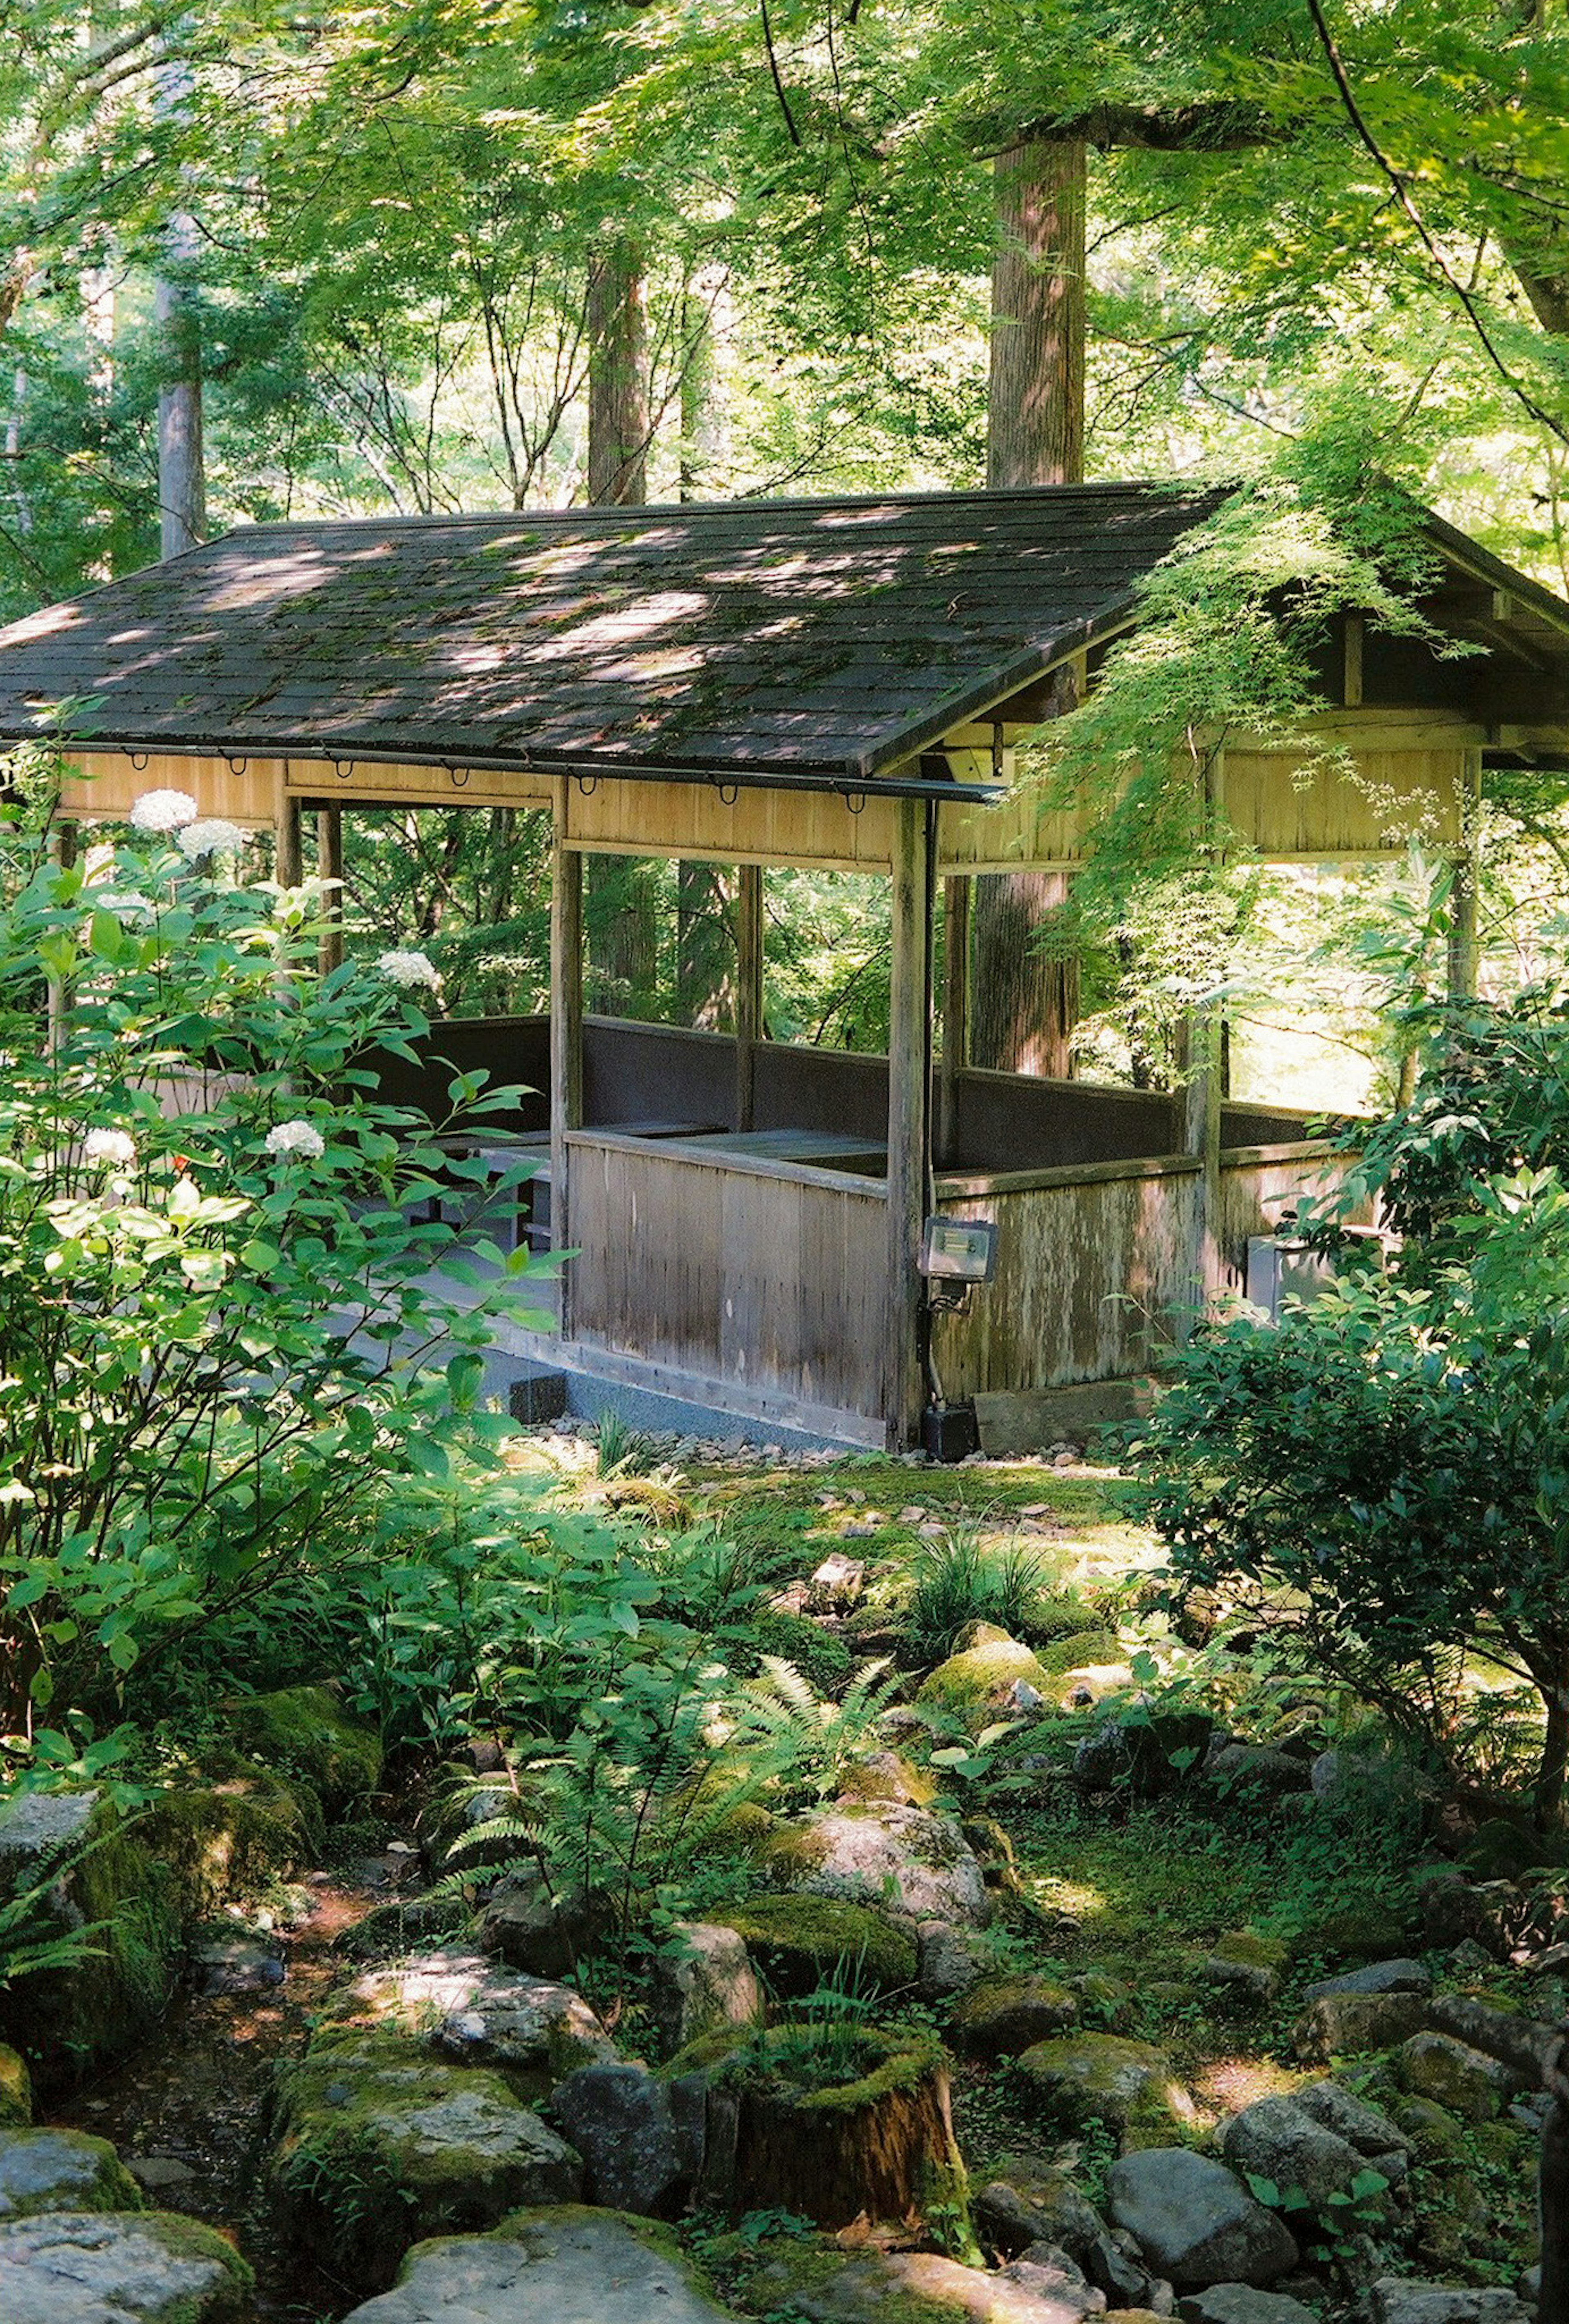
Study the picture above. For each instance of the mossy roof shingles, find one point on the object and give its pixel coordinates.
(792, 637)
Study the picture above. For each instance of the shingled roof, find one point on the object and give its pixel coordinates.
(794, 640)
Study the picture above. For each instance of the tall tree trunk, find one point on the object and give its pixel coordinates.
(1035, 408)
(618, 442)
(618, 905)
(1024, 1002)
(705, 945)
(182, 501)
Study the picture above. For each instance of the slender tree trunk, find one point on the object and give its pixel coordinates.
(1025, 1002)
(705, 945)
(1035, 410)
(618, 444)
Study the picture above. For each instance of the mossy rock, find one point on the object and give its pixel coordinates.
(887, 1778)
(1083, 1650)
(978, 1685)
(376, 2148)
(797, 1941)
(65, 2020)
(1503, 1848)
(16, 2090)
(61, 2171)
(1004, 2015)
(304, 1730)
(1131, 2086)
(227, 1838)
(559, 2262)
(1438, 2135)
(818, 1655)
(159, 2267)
(823, 2283)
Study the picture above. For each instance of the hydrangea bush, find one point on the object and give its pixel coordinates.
(227, 1320)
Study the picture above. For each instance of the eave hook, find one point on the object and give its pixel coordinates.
(138, 760)
(729, 794)
(343, 769)
(856, 801)
(235, 766)
(587, 784)
(461, 776)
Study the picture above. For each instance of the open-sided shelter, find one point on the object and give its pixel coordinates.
(838, 684)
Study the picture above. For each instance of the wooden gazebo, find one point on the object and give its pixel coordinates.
(835, 683)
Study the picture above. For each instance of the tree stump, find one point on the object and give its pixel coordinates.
(880, 2144)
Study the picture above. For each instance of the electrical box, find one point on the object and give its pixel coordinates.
(949, 1431)
(1282, 1266)
(959, 1251)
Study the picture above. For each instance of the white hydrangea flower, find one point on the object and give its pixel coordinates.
(409, 968)
(163, 811)
(296, 1137)
(113, 1147)
(119, 900)
(212, 835)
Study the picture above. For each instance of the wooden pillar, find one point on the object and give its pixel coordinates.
(329, 864)
(288, 863)
(1205, 1086)
(749, 989)
(956, 900)
(909, 1073)
(565, 1030)
(1463, 952)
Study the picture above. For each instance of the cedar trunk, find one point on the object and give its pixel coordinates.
(1024, 1004)
(618, 440)
(834, 2165)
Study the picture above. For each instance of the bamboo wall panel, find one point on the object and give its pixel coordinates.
(773, 1280)
(758, 826)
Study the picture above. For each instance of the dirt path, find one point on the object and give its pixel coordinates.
(187, 2110)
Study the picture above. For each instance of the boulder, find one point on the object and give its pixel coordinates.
(119, 2267)
(1149, 1755)
(1464, 2081)
(887, 1776)
(1028, 2201)
(231, 1834)
(907, 1860)
(404, 1925)
(377, 2146)
(1519, 2043)
(838, 1583)
(529, 2029)
(826, 2285)
(1433, 2130)
(1196, 2222)
(1362, 2126)
(529, 1928)
(61, 2171)
(1031, 2206)
(237, 1964)
(978, 1685)
(564, 2266)
(1492, 1913)
(950, 1960)
(702, 1982)
(15, 2089)
(305, 1731)
(93, 1873)
(1396, 2302)
(1400, 1976)
(798, 1940)
(1240, 2303)
(1342, 2024)
(1106, 2077)
(1249, 1965)
(1276, 2138)
(1004, 2015)
(641, 2139)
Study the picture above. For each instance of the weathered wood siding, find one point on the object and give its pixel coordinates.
(771, 1277)
(1094, 1266)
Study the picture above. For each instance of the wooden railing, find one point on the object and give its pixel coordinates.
(767, 1276)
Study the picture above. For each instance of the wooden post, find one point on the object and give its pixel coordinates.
(289, 862)
(1462, 933)
(565, 1029)
(329, 864)
(749, 989)
(956, 895)
(1204, 1090)
(909, 1069)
